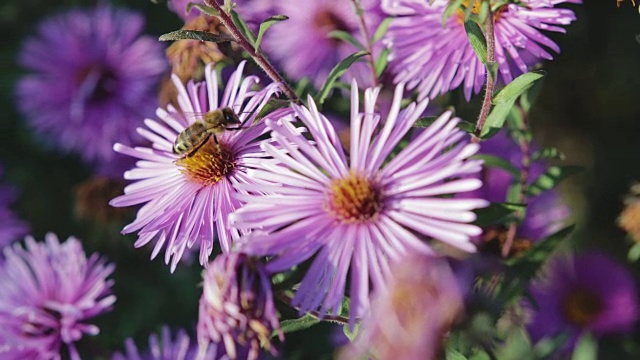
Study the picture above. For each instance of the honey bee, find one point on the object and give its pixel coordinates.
(213, 123)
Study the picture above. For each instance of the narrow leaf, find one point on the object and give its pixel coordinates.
(551, 178)
(382, 29)
(351, 335)
(382, 61)
(495, 120)
(302, 323)
(203, 9)
(450, 9)
(517, 87)
(243, 27)
(496, 213)
(477, 40)
(548, 153)
(336, 72)
(265, 25)
(498, 162)
(452, 354)
(195, 35)
(634, 253)
(586, 348)
(346, 37)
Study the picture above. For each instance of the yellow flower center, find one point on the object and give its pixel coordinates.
(209, 164)
(476, 10)
(581, 307)
(353, 199)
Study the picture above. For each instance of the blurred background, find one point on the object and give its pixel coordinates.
(588, 108)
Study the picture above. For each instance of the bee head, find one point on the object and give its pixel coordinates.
(230, 116)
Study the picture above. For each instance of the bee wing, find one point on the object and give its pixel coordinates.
(193, 116)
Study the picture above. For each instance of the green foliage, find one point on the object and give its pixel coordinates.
(195, 35)
(203, 9)
(382, 29)
(476, 39)
(346, 37)
(335, 73)
(497, 213)
(302, 323)
(243, 27)
(450, 9)
(551, 178)
(498, 162)
(351, 335)
(548, 153)
(265, 25)
(634, 253)
(586, 348)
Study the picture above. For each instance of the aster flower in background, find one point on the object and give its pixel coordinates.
(180, 347)
(306, 32)
(187, 199)
(49, 290)
(589, 292)
(410, 319)
(363, 212)
(434, 59)
(11, 228)
(546, 212)
(236, 307)
(92, 80)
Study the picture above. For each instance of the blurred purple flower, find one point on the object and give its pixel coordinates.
(358, 211)
(48, 292)
(410, 318)
(589, 292)
(253, 12)
(167, 348)
(92, 80)
(237, 306)
(435, 59)
(188, 198)
(546, 213)
(302, 46)
(11, 228)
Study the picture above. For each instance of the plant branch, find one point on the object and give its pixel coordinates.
(490, 85)
(336, 319)
(367, 38)
(257, 55)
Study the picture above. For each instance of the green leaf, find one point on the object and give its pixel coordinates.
(203, 9)
(496, 213)
(551, 178)
(477, 40)
(586, 348)
(495, 120)
(195, 35)
(302, 323)
(346, 37)
(382, 61)
(634, 253)
(271, 106)
(517, 87)
(265, 25)
(498, 162)
(382, 29)
(550, 345)
(335, 73)
(243, 27)
(450, 9)
(425, 122)
(452, 354)
(351, 334)
(548, 153)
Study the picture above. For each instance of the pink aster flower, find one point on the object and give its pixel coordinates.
(409, 320)
(49, 290)
(434, 60)
(187, 198)
(236, 307)
(362, 211)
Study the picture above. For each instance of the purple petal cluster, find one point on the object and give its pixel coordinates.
(168, 347)
(11, 227)
(49, 291)
(434, 59)
(410, 318)
(588, 292)
(236, 307)
(187, 199)
(91, 80)
(358, 213)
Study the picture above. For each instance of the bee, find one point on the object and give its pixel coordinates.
(213, 123)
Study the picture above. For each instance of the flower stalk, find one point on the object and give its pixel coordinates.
(490, 83)
(367, 41)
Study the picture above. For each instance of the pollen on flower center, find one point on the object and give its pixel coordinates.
(581, 307)
(353, 199)
(209, 164)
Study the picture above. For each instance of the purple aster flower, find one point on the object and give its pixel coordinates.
(588, 292)
(361, 211)
(434, 59)
(546, 213)
(49, 291)
(92, 80)
(187, 199)
(302, 45)
(168, 348)
(409, 319)
(237, 306)
(11, 228)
